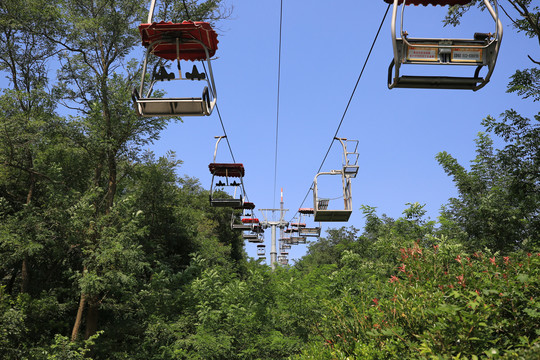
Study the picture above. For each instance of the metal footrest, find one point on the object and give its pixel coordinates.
(225, 202)
(438, 82)
(332, 215)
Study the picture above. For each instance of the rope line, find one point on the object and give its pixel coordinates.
(277, 102)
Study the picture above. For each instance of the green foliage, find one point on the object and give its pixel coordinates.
(440, 303)
(526, 83)
(64, 349)
(499, 195)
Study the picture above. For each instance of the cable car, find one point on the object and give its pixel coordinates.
(308, 231)
(227, 174)
(296, 226)
(185, 41)
(349, 170)
(282, 260)
(320, 205)
(251, 237)
(480, 51)
(261, 250)
(247, 213)
(295, 240)
(286, 240)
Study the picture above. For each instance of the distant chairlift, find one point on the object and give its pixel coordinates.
(229, 175)
(480, 51)
(256, 233)
(261, 250)
(348, 170)
(308, 231)
(185, 41)
(247, 213)
(295, 240)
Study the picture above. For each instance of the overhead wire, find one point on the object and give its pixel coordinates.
(348, 103)
(277, 101)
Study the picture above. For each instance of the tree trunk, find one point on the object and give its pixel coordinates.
(25, 276)
(78, 319)
(92, 317)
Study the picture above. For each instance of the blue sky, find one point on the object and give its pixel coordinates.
(324, 45)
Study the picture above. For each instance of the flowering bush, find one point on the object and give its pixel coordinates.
(441, 304)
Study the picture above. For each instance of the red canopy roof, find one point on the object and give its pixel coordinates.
(431, 2)
(189, 34)
(230, 170)
(250, 220)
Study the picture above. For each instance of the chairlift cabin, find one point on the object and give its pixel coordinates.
(185, 41)
(247, 213)
(322, 209)
(228, 175)
(286, 240)
(480, 51)
(282, 260)
(297, 225)
(251, 237)
(321, 206)
(261, 249)
(298, 240)
(308, 231)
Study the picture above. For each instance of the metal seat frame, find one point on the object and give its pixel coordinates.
(308, 231)
(468, 52)
(244, 225)
(348, 171)
(148, 106)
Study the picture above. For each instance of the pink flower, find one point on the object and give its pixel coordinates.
(394, 279)
(402, 268)
(492, 260)
(506, 260)
(461, 280)
(529, 254)
(376, 301)
(458, 259)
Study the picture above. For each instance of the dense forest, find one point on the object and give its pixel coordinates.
(106, 253)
